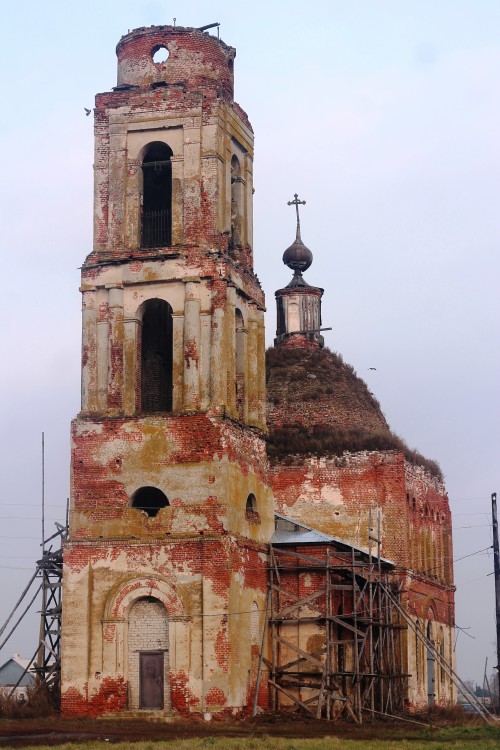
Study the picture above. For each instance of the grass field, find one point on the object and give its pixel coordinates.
(443, 738)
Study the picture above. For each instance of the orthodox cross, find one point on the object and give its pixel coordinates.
(296, 202)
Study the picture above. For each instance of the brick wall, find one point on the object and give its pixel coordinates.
(308, 386)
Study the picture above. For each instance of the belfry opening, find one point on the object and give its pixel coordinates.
(156, 210)
(156, 357)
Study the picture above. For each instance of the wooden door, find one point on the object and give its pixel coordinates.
(151, 679)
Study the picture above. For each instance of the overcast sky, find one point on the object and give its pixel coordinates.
(384, 116)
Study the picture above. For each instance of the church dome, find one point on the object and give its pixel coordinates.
(317, 404)
(298, 257)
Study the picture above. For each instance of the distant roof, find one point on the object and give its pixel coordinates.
(290, 531)
(11, 671)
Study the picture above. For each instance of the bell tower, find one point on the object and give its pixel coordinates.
(165, 568)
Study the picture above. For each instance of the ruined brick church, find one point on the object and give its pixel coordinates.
(246, 533)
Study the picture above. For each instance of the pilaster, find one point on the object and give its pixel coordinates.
(192, 348)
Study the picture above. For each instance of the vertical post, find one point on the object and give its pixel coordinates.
(43, 494)
(230, 339)
(370, 610)
(102, 348)
(327, 673)
(191, 392)
(381, 629)
(262, 647)
(40, 662)
(496, 569)
(274, 644)
(356, 666)
(253, 374)
(131, 363)
(115, 347)
(202, 634)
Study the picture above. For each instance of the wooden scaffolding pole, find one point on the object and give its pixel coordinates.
(353, 664)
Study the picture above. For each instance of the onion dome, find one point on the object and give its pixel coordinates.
(298, 257)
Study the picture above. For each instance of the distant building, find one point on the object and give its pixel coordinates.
(12, 672)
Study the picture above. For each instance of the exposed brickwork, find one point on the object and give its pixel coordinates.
(196, 61)
(110, 697)
(308, 386)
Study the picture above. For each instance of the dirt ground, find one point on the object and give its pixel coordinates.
(55, 730)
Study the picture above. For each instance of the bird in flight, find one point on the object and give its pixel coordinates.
(372, 368)
(87, 111)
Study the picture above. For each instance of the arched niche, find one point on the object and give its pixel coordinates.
(254, 624)
(117, 619)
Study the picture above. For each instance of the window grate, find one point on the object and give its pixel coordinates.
(156, 228)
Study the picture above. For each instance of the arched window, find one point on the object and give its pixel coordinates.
(156, 357)
(422, 546)
(442, 561)
(251, 503)
(418, 649)
(429, 552)
(442, 673)
(447, 561)
(236, 201)
(150, 499)
(156, 224)
(254, 623)
(251, 509)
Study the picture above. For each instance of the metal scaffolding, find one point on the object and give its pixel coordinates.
(46, 660)
(48, 657)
